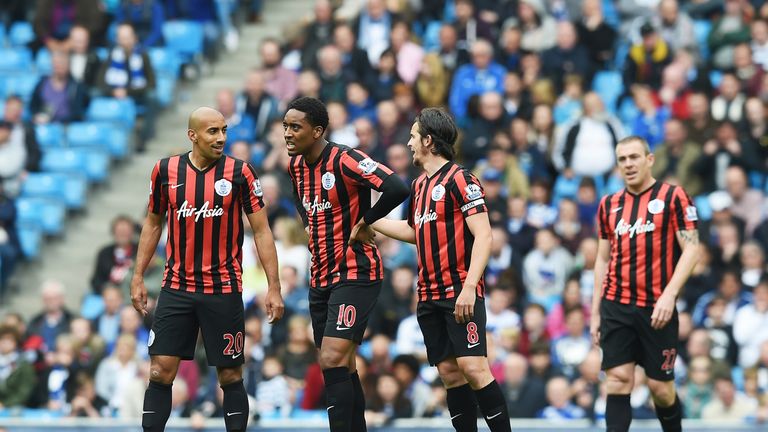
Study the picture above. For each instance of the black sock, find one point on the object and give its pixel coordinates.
(494, 407)
(339, 398)
(235, 406)
(358, 412)
(618, 413)
(157, 407)
(463, 408)
(671, 417)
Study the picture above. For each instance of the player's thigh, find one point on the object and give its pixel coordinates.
(349, 307)
(318, 312)
(618, 337)
(432, 324)
(222, 324)
(658, 347)
(467, 339)
(175, 325)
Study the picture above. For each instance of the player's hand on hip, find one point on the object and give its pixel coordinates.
(139, 294)
(662, 312)
(464, 310)
(594, 329)
(273, 303)
(362, 233)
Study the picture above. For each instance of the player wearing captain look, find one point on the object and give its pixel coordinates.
(647, 248)
(204, 195)
(448, 222)
(333, 186)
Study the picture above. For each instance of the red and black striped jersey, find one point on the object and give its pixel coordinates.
(205, 220)
(644, 249)
(438, 209)
(335, 192)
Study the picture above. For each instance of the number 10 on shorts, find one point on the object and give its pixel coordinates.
(347, 314)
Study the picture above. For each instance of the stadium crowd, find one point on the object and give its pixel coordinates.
(543, 90)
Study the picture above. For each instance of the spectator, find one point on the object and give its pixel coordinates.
(308, 84)
(433, 81)
(525, 394)
(700, 126)
(107, 324)
(14, 114)
(117, 371)
(480, 130)
(752, 259)
(146, 17)
(571, 299)
(469, 29)
(354, 59)
(759, 42)
(86, 403)
(390, 130)
(728, 403)
(273, 395)
(596, 35)
(54, 318)
(280, 81)
(521, 232)
(745, 198)
(256, 103)
(500, 315)
(534, 333)
(339, 128)
(333, 81)
(509, 53)
(646, 60)
(586, 146)
(569, 350)
(730, 289)
(131, 323)
(240, 126)
(545, 269)
(729, 104)
(372, 28)
(675, 157)
(10, 248)
(54, 20)
(675, 26)
(17, 377)
(649, 122)
(359, 102)
(749, 74)
(724, 348)
(405, 369)
(114, 262)
(727, 31)
(560, 406)
(253, 349)
(717, 155)
(389, 402)
(568, 227)
(517, 100)
(541, 213)
(84, 63)
(58, 97)
(57, 380)
(537, 25)
(568, 57)
(451, 54)
(13, 153)
(674, 92)
(297, 354)
(89, 347)
(501, 162)
(409, 55)
(318, 33)
(394, 302)
(482, 75)
(747, 328)
(367, 139)
(698, 389)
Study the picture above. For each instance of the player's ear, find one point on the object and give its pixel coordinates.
(651, 159)
(191, 135)
(317, 132)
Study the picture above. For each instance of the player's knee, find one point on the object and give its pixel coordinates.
(663, 391)
(450, 374)
(476, 370)
(229, 375)
(619, 381)
(332, 357)
(160, 374)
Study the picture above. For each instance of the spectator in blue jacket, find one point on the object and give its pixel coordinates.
(480, 76)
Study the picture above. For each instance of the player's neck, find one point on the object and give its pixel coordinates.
(643, 186)
(200, 162)
(433, 165)
(317, 150)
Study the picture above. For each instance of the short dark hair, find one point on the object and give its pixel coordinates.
(408, 361)
(438, 124)
(315, 110)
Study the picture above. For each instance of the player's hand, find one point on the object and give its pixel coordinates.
(663, 311)
(139, 294)
(362, 233)
(594, 329)
(464, 310)
(273, 303)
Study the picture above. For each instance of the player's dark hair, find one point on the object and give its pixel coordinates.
(314, 109)
(438, 124)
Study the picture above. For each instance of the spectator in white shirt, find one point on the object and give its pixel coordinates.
(750, 326)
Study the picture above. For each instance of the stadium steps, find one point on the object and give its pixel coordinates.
(71, 258)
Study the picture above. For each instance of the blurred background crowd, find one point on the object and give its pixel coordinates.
(542, 91)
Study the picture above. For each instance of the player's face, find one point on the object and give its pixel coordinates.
(299, 134)
(416, 145)
(210, 136)
(634, 164)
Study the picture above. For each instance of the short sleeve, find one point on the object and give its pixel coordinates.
(251, 193)
(362, 170)
(602, 219)
(685, 216)
(157, 195)
(468, 193)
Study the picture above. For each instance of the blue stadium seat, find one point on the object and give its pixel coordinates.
(118, 141)
(44, 62)
(184, 37)
(609, 85)
(715, 76)
(20, 84)
(21, 34)
(703, 208)
(87, 134)
(43, 185)
(102, 53)
(92, 307)
(75, 190)
(701, 29)
(15, 59)
(46, 214)
(30, 238)
(308, 414)
(165, 87)
(92, 161)
(50, 135)
(112, 110)
(165, 61)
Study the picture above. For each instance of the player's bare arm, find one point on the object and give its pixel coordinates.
(265, 247)
(396, 229)
(665, 305)
(480, 227)
(601, 266)
(150, 237)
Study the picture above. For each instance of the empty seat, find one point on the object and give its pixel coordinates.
(184, 37)
(112, 110)
(21, 33)
(44, 62)
(20, 84)
(50, 135)
(88, 134)
(165, 61)
(92, 161)
(15, 59)
(46, 214)
(30, 238)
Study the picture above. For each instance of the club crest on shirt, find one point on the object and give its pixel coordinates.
(328, 181)
(655, 206)
(438, 192)
(472, 192)
(367, 165)
(690, 214)
(257, 188)
(223, 187)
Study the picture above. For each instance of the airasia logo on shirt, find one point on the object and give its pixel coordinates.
(421, 219)
(315, 206)
(186, 211)
(639, 227)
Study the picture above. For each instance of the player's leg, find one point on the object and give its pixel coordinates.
(460, 398)
(659, 354)
(470, 347)
(173, 337)
(619, 342)
(223, 340)
(349, 307)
